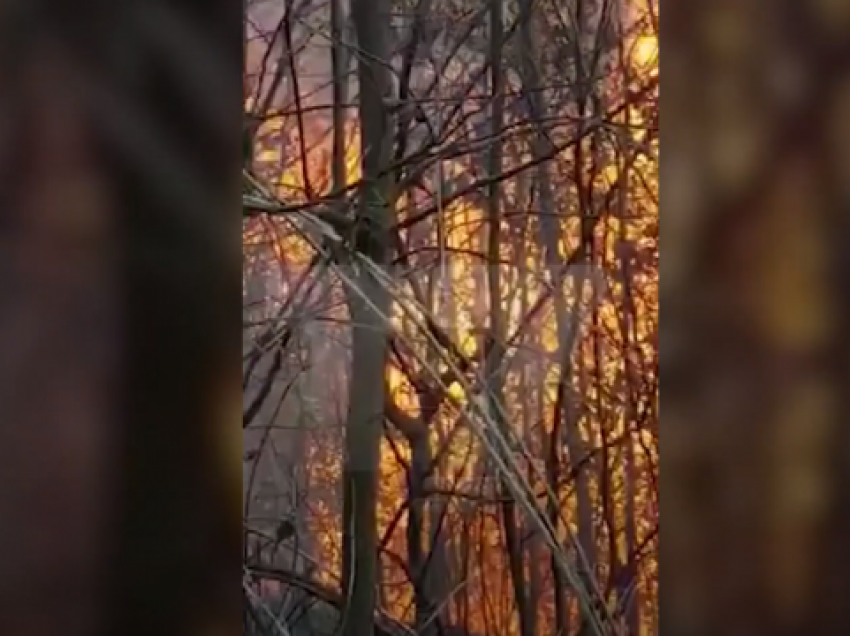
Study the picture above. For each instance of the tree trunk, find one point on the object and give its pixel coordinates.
(369, 308)
(494, 350)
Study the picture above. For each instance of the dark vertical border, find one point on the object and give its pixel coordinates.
(170, 117)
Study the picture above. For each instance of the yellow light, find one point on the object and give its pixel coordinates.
(456, 391)
(645, 51)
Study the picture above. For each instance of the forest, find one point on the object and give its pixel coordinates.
(450, 317)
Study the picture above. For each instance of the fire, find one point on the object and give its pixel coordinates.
(645, 52)
(460, 306)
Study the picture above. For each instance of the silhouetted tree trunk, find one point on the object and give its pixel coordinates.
(494, 350)
(369, 307)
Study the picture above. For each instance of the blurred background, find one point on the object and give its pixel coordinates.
(754, 290)
(119, 182)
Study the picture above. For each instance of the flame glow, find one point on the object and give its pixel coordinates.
(461, 308)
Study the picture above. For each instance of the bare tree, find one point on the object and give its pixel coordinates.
(369, 308)
(507, 146)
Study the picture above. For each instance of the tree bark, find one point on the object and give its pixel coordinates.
(369, 307)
